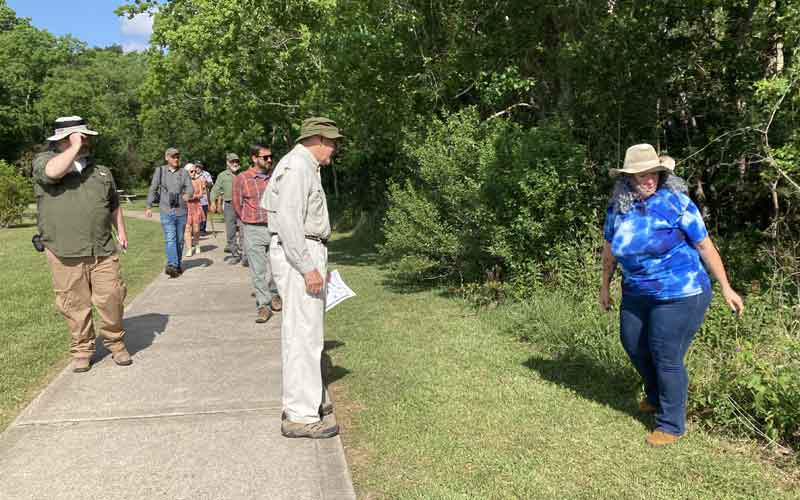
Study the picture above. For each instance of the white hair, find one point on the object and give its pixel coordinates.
(625, 193)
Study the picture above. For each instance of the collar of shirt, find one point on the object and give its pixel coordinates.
(309, 156)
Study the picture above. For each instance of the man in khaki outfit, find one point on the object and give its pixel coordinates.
(77, 204)
(298, 221)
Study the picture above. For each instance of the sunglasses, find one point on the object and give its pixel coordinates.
(265, 157)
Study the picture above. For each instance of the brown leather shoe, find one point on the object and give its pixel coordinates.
(659, 438)
(80, 365)
(646, 407)
(276, 303)
(316, 430)
(264, 314)
(122, 357)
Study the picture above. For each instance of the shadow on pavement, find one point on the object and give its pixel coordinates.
(140, 331)
(195, 262)
(208, 248)
(589, 380)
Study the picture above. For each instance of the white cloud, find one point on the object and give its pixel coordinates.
(134, 46)
(141, 26)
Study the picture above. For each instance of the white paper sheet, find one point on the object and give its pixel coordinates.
(336, 290)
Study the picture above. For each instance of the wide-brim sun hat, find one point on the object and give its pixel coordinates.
(319, 125)
(66, 125)
(643, 158)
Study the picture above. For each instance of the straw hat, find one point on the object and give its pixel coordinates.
(643, 158)
(66, 125)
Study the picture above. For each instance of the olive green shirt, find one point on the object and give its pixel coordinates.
(76, 211)
(223, 186)
(297, 206)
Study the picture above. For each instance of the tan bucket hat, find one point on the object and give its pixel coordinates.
(67, 125)
(319, 125)
(643, 158)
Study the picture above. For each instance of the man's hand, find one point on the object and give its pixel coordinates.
(314, 282)
(185, 197)
(148, 213)
(123, 240)
(76, 140)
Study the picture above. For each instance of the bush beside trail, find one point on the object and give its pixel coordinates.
(16, 192)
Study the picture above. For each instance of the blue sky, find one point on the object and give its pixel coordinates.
(92, 21)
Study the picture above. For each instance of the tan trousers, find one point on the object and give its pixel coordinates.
(302, 334)
(80, 282)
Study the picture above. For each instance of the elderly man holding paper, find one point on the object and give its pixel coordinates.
(300, 227)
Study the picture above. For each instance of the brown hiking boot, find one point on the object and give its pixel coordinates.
(325, 409)
(659, 438)
(316, 430)
(122, 357)
(277, 303)
(264, 314)
(646, 407)
(80, 365)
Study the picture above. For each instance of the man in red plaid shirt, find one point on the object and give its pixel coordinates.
(248, 188)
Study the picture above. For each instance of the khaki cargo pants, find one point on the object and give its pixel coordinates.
(79, 283)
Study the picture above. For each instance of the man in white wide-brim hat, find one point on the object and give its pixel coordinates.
(78, 204)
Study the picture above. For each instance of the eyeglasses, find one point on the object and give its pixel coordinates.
(265, 157)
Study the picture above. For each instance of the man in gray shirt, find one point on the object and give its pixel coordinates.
(173, 187)
(298, 220)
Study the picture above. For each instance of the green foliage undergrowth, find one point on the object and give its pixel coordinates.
(16, 192)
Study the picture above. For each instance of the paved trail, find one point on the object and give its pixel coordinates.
(197, 415)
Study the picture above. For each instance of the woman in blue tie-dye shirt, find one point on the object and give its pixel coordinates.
(656, 234)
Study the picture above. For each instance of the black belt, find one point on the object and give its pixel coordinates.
(311, 237)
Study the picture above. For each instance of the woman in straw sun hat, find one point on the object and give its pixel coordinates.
(656, 234)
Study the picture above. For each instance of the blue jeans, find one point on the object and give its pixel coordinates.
(656, 335)
(173, 227)
(203, 224)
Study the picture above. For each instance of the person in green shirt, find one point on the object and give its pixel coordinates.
(221, 196)
(78, 205)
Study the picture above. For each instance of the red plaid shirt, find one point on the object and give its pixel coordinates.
(248, 187)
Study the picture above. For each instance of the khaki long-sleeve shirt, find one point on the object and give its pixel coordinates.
(297, 206)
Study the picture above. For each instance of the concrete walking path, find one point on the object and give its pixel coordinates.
(196, 417)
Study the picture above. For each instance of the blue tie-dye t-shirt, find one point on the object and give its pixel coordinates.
(654, 245)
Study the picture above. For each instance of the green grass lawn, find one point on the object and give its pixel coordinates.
(33, 335)
(437, 401)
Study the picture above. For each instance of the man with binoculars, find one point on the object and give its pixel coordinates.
(171, 187)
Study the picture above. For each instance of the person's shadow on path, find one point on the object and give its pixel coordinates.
(140, 331)
(590, 380)
(194, 262)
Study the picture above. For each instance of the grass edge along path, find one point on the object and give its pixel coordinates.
(33, 334)
(438, 402)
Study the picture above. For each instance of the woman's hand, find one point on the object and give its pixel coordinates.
(605, 298)
(733, 300)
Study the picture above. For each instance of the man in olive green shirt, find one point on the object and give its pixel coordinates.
(223, 188)
(298, 220)
(77, 206)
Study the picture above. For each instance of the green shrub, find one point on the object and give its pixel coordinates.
(488, 200)
(16, 193)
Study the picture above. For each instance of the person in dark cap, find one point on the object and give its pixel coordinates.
(172, 186)
(78, 205)
(298, 220)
